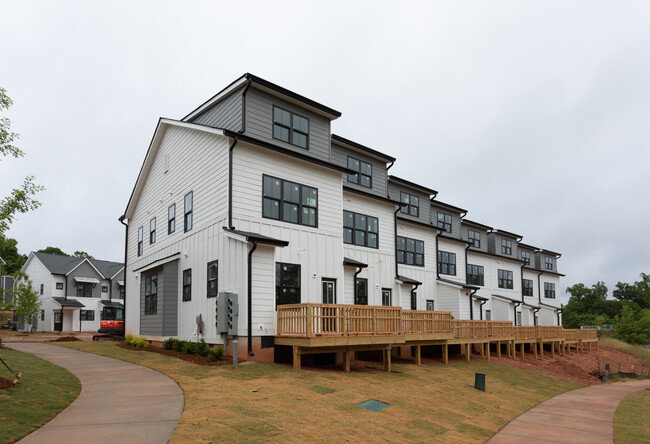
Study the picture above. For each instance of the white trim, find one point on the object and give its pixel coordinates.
(158, 263)
(121, 269)
(120, 283)
(223, 94)
(86, 280)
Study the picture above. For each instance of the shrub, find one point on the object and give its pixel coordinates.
(172, 344)
(190, 348)
(135, 341)
(202, 348)
(216, 354)
(0, 341)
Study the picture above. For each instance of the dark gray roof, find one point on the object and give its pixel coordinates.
(352, 263)
(254, 237)
(57, 264)
(114, 304)
(459, 284)
(408, 280)
(63, 302)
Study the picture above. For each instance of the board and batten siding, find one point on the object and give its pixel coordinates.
(458, 249)
(426, 274)
(448, 299)
(226, 114)
(259, 124)
(379, 177)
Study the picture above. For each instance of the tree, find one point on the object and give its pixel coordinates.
(82, 254)
(633, 325)
(21, 199)
(639, 292)
(9, 253)
(53, 250)
(26, 300)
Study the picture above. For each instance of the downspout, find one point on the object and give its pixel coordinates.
(243, 108)
(413, 290)
(559, 311)
(521, 274)
(471, 305)
(535, 311)
(517, 304)
(250, 299)
(399, 207)
(126, 245)
(482, 304)
(437, 268)
(539, 289)
(388, 168)
(230, 160)
(359, 269)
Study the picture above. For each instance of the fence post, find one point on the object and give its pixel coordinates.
(309, 329)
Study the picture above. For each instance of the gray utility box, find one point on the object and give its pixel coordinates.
(227, 313)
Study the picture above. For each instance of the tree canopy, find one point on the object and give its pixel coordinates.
(53, 250)
(9, 253)
(82, 254)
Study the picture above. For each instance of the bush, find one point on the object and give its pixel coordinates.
(202, 348)
(0, 341)
(216, 354)
(135, 341)
(172, 344)
(190, 348)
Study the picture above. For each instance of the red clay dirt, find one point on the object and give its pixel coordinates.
(65, 339)
(5, 383)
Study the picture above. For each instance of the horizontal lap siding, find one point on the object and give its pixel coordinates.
(394, 191)
(448, 299)
(426, 274)
(484, 236)
(455, 220)
(379, 177)
(259, 124)
(226, 114)
(534, 299)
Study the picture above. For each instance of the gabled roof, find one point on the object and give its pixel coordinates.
(63, 302)
(57, 264)
(364, 149)
(108, 269)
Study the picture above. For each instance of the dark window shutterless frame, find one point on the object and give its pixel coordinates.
(364, 172)
(287, 283)
(359, 229)
(444, 221)
(475, 274)
(506, 246)
(290, 127)
(187, 285)
(447, 263)
(152, 231)
(171, 218)
(474, 238)
(410, 251)
(213, 281)
(140, 240)
(188, 208)
(505, 279)
(289, 201)
(527, 287)
(410, 204)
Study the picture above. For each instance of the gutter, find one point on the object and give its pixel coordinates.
(250, 299)
(440, 231)
(539, 288)
(388, 168)
(230, 160)
(126, 244)
(521, 280)
(535, 311)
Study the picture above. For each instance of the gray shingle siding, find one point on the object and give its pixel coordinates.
(379, 177)
(259, 124)
(226, 114)
(484, 236)
(83, 270)
(165, 321)
(455, 220)
(425, 204)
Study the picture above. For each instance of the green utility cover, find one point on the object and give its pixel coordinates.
(479, 381)
(373, 406)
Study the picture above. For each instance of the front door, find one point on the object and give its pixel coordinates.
(58, 321)
(329, 297)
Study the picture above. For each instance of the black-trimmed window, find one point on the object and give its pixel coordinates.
(410, 251)
(87, 315)
(447, 263)
(121, 290)
(59, 285)
(488, 315)
(290, 127)
(525, 256)
(410, 204)
(364, 172)
(289, 201)
(42, 315)
(505, 279)
(287, 283)
(444, 221)
(474, 238)
(152, 231)
(386, 297)
(549, 290)
(140, 241)
(104, 288)
(475, 274)
(171, 218)
(213, 273)
(151, 294)
(548, 263)
(361, 296)
(42, 287)
(430, 305)
(187, 285)
(506, 247)
(84, 290)
(188, 209)
(359, 229)
(329, 290)
(527, 287)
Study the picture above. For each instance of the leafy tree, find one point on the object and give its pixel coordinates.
(588, 306)
(633, 325)
(82, 254)
(26, 300)
(639, 292)
(21, 199)
(53, 250)
(9, 253)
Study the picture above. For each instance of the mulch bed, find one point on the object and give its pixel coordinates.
(196, 359)
(5, 383)
(65, 339)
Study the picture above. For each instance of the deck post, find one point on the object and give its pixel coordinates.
(309, 326)
(487, 351)
(482, 349)
(498, 349)
(468, 350)
(296, 358)
(445, 353)
(522, 351)
(418, 355)
(387, 359)
(553, 349)
(346, 359)
(541, 349)
(596, 345)
(535, 349)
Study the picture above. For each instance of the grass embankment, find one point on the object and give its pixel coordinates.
(42, 392)
(632, 419)
(267, 402)
(635, 350)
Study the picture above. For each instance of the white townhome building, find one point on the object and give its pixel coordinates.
(252, 194)
(74, 291)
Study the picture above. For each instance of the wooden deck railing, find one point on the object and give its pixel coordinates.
(469, 329)
(524, 332)
(418, 321)
(322, 320)
(499, 329)
(587, 334)
(571, 334)
(550, 332)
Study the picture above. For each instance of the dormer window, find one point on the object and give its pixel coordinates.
(410, 204)
(506, 247)
(364, 172)
(474, 238)
(548, 263)
(444, 221)
(525, 256)
(291, 128)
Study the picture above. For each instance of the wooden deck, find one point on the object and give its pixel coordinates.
(328, 328)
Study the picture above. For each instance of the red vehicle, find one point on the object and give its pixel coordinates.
(112, 321)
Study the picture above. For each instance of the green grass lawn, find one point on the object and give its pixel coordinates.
(632, 419)
(42, 392)
(264, 402)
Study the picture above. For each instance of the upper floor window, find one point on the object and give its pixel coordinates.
(364, 172)
(359, 229)
(474, 238)
(42, 287)
(213, 269)
(410, 251)
(549, 290)
(506, 246)
(410, 204)
(152, 231)
(140, 240)
(171, 219)
(59, 285)
(151, 294)
(548, 263)
(528, 287)
(189, 204)
(525, 256)
(475, 274)
(446, 263)
(505, 279)
(187, 285)
(287, 283)
(84, 290)
(430, 304)
(289, 201)
(444, 221)
(291, 128)
(121, 291)
(104, 288)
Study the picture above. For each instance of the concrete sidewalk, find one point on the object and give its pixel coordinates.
(585, 415)
(119, 401)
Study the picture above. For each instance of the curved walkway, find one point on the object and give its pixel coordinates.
(584, 415)
(119, 401)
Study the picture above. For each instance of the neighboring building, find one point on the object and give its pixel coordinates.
(74, 290)
(252, 194)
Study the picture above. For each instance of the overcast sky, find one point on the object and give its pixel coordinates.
(532, 115)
